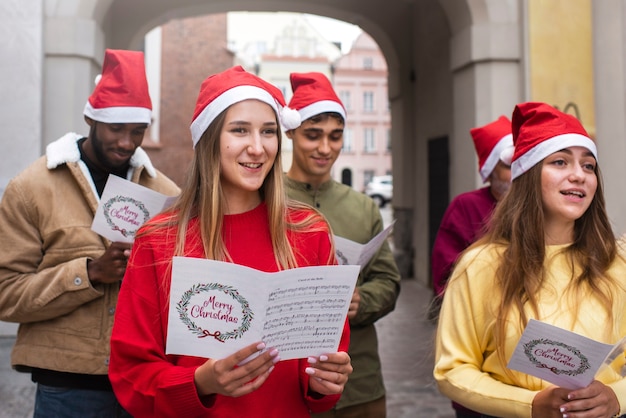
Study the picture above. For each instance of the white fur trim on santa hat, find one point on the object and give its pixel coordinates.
(547, 147)
(121, 114)
(223, 101)
(323, 106)
(494, 156)
(290, 118)
(506, 156)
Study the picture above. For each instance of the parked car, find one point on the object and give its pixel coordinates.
(380, 188)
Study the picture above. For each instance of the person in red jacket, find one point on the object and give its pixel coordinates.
(467, 215)
(232, 208)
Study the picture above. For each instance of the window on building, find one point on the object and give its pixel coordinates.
(368, 63)
(369, 140)
(346, 177)
(348, 141)
(388, 147)
(368, 175)
(344, 96)
(368, 101)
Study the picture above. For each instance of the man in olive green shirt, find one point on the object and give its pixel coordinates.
(354, 216)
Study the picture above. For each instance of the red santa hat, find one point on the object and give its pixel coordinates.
(121, 93)
(219, 91)
(540, 130)
(313, 94)
(489, 141)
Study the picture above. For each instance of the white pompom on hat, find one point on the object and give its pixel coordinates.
(540, 130)
(222, 90)
(489, 141)
(121, 94)
(313, 94)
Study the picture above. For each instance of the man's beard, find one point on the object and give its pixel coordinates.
(500, 187)
(98, 150)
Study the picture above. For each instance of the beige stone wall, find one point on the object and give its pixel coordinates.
(561, 57)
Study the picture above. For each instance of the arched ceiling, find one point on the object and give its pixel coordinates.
(127, 22)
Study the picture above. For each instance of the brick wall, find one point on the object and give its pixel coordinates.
(192, 49)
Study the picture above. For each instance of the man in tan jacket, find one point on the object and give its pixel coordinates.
(58, 279)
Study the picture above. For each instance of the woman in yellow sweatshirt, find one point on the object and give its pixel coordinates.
(551, 255)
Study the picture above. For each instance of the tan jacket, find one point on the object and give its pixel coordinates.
(45, 241)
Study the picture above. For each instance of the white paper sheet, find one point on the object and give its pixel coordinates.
(217, 308)
(124, 207)
(352, 253)
(561, 357)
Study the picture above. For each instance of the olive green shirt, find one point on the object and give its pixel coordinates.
(354, 216)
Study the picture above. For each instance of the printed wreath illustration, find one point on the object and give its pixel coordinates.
(584, 362)
(183, 304)
(107, 207)
(343, 260)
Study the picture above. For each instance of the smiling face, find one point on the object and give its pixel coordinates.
(316, 146)
(248, 149)
(111, 145)
(568, 186)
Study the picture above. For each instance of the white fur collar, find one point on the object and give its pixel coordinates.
(65, 150)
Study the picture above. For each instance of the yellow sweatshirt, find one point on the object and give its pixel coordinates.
(467, 367)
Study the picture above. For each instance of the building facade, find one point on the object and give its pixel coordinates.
(199, 45)
(360, 80)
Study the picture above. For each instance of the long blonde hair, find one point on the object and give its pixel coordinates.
(202, 196)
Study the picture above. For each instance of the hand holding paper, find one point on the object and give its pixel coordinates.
(217, 308)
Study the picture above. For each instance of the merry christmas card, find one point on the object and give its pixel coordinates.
(217, 308)
(124, 207)
(561, 357)
(349, 252)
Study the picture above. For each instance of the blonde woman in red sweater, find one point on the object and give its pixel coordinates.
(232, 208)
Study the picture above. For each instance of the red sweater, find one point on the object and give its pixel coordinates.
(149, 383)
(463, 223)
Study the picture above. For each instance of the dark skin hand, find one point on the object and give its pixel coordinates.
(111, 266)
(594, 401)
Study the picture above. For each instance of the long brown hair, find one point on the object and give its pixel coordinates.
(517, 225)
(202, 196)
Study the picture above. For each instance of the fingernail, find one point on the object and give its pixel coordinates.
(261, 346)
(311, 360)
(309, 371)
(323, 357)
(562, 409)
(273, 352)
(270, 369)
